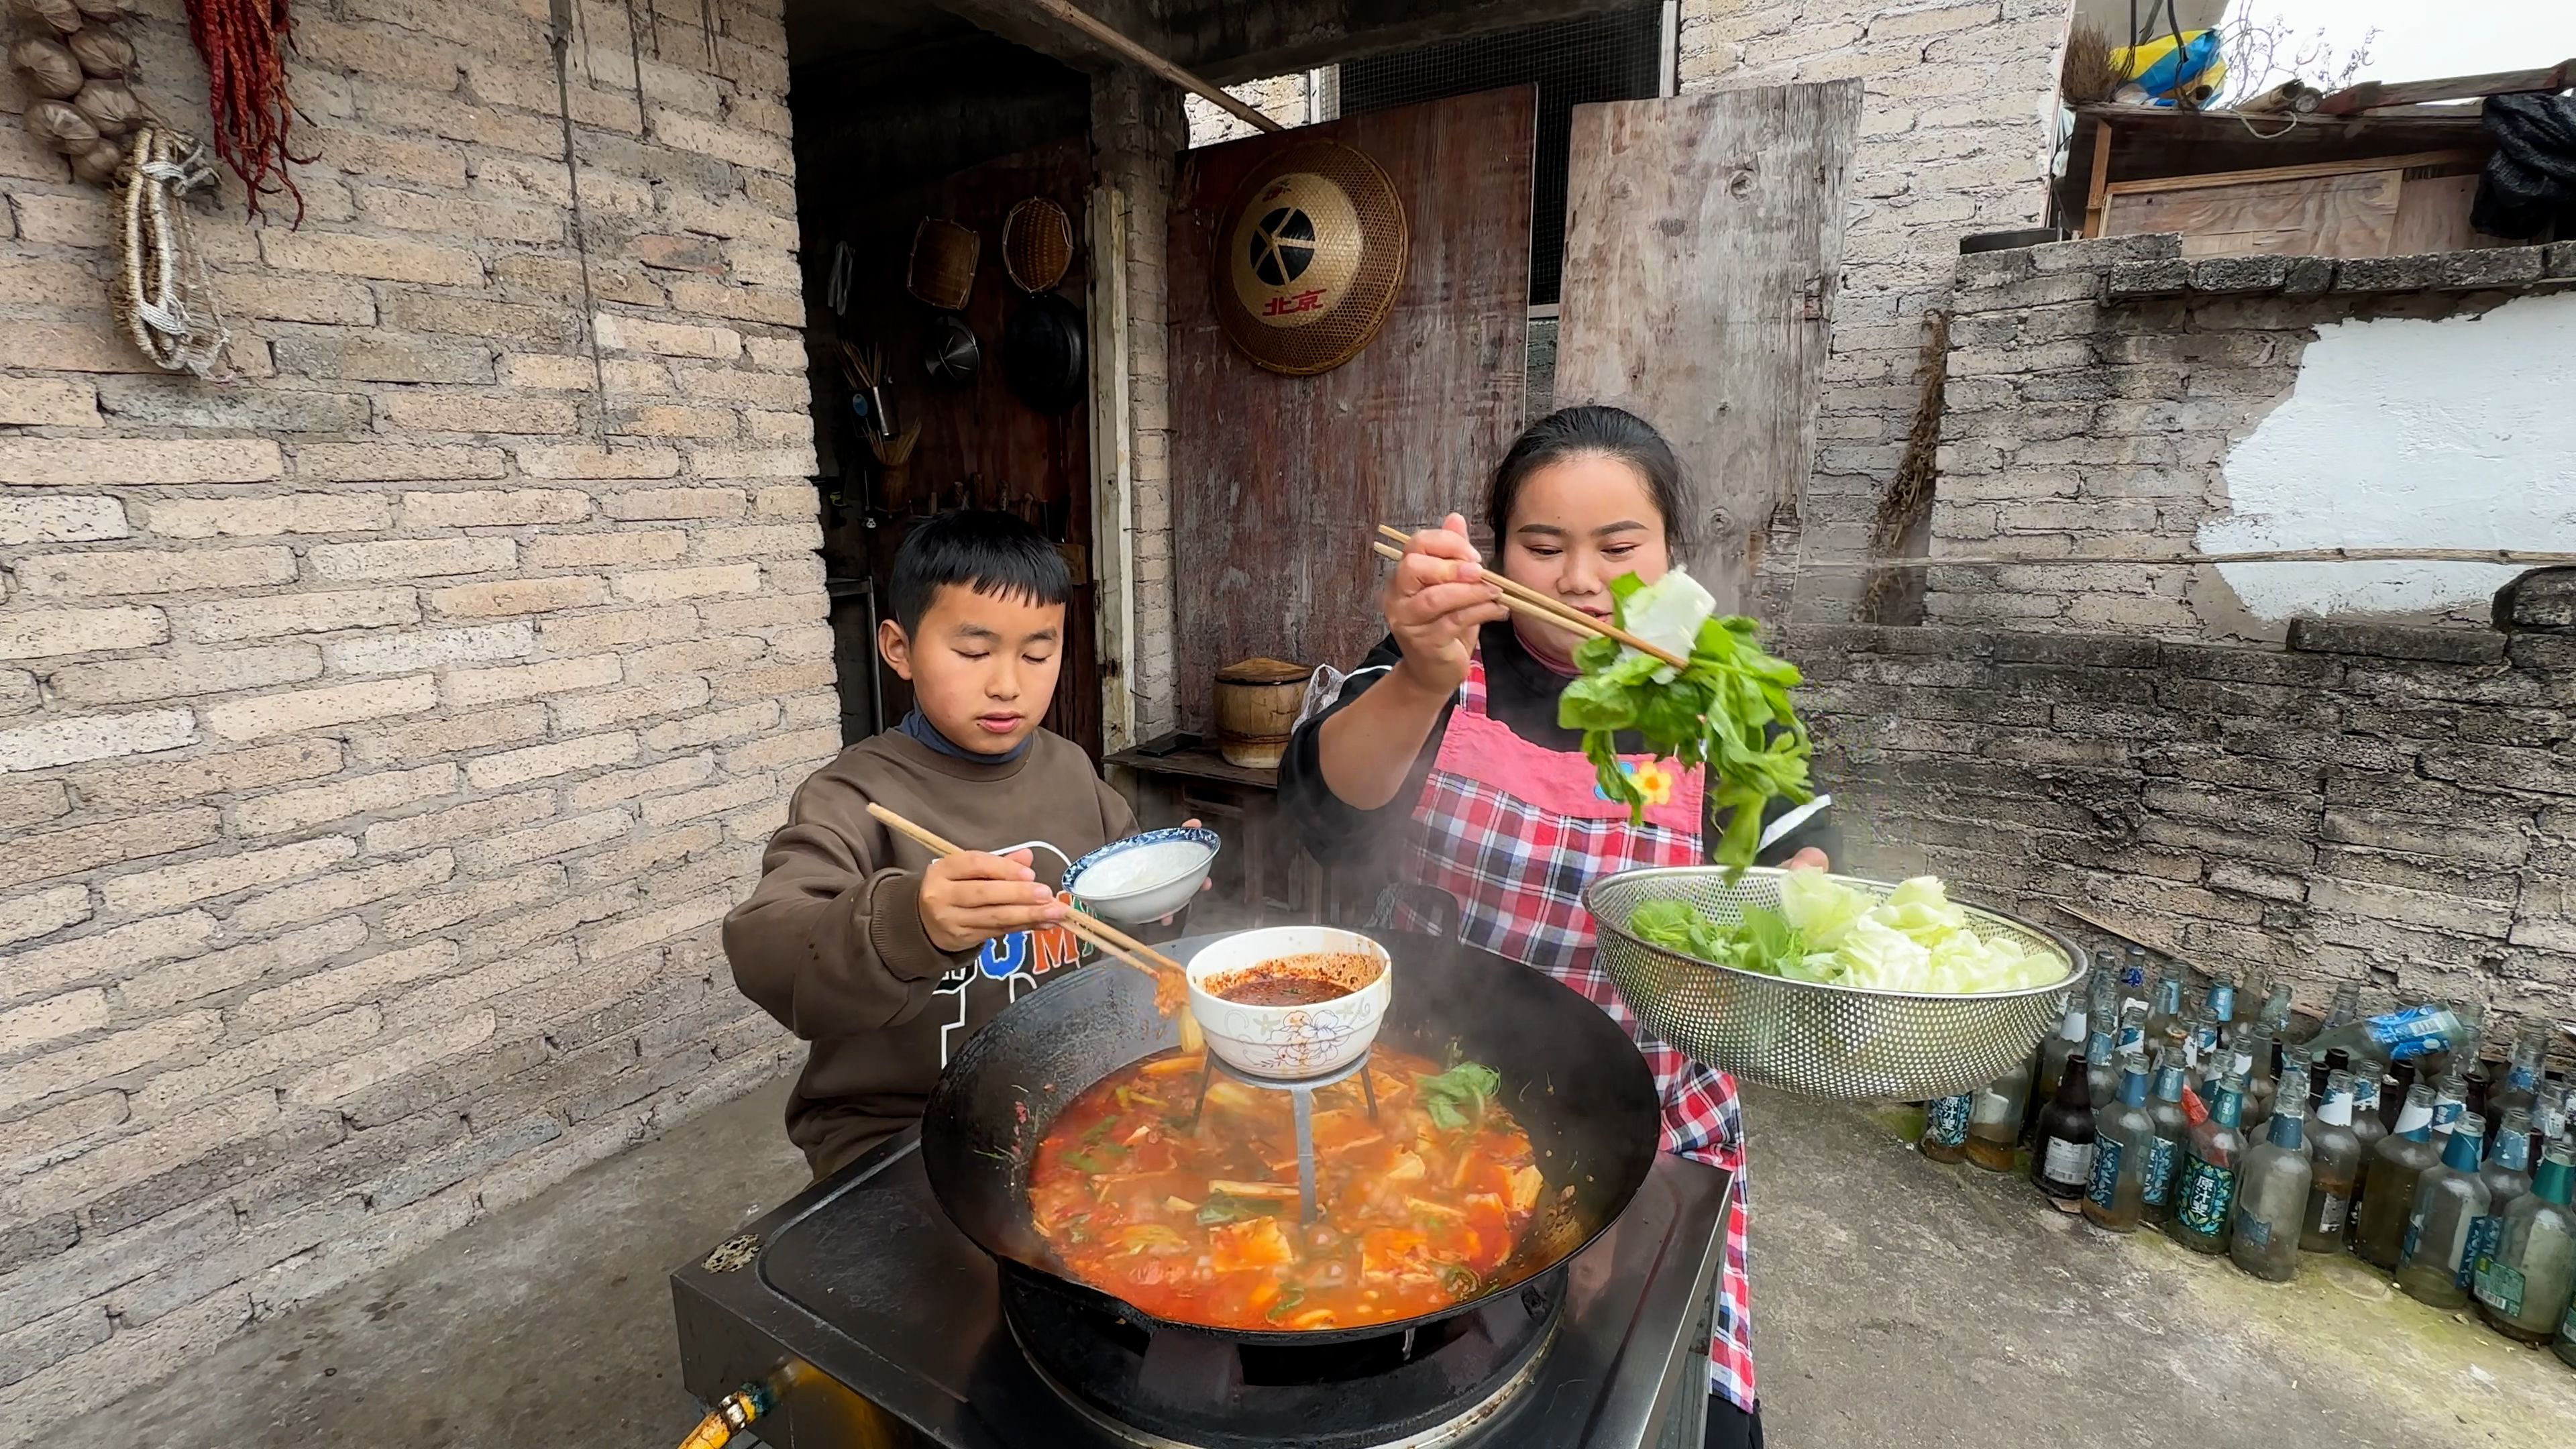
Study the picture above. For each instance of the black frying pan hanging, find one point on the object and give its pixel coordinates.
(1042, 353)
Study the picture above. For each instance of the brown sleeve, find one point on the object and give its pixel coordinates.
(1115, 813)
(831, 943)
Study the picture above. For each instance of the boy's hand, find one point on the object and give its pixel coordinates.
(970, 898)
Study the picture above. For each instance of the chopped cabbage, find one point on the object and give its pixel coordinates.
(1827, 933)
(1668, 612)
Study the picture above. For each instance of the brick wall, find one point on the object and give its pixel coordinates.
(2377, 803)
(381, 736)
(2097, 392)
(1950, 143)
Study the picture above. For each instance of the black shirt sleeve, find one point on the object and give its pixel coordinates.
(1335, 832)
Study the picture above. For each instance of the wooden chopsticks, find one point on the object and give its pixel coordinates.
(1524, 599)
(1109, 939)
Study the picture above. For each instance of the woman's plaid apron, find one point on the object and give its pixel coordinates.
(1513, 832)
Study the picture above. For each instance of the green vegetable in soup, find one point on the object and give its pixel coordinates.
(1456, 1098)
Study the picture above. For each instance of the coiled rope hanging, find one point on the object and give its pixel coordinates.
(163, 298)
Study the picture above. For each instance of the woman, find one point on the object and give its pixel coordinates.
(1446, 739)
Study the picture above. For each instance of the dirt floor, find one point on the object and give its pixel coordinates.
(1896, 1301)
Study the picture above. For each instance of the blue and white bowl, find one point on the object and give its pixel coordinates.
(1144, 877)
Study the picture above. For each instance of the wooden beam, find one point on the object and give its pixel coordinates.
(2369, 94)
(1138, 55)
(2310, 171)
(2098, 197)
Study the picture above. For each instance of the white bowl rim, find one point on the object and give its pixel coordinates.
(1308, 938)
(1194, 834)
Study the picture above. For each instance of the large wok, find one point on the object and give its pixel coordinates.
(1570, 1075)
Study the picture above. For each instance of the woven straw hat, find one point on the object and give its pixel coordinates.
(1310, 258)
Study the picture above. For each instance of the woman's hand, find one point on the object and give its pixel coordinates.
(1436, 602)
(1810, 859)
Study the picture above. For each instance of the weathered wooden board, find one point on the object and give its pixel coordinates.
(1277, 481)
(979, 443)
(2350, 215)
(1703, 241)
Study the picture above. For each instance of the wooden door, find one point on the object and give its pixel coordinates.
(1277, 482)
(980, 444)
(1703, 237)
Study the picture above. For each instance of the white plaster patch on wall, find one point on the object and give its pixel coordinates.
(2400, 433)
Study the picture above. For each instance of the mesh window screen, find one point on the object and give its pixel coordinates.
(1613, 55)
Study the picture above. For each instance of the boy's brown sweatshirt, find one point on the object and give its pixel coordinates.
(831, 943)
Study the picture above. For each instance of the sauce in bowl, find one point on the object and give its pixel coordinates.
(1308, 979)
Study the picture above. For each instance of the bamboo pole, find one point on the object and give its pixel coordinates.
(1212, 94)
(2524, 557)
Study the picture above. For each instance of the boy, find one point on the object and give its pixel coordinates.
(856, 939)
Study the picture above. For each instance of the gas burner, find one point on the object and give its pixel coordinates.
(1156, 1384)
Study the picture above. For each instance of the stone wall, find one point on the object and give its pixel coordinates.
(1951, 142)
(381, 735)
(2377, 803)
(2109, 398)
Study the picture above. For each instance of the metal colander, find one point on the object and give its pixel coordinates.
(1823, 1041)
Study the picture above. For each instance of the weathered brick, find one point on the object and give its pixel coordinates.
(19, 692)
(98, 737)
(357, 1073)
(144, 571)
(475, 730)
(49, 1135)
(594, 461)
(695, 656)
(41, 913)
(129, 1160)
(32, 802)
(770, 683)
(556, 838)
(90, 1063)
(804, 748)
(517, 933)
(431, 649)
(51, 1340)
(130, 681)
(668, 503)
(605, 550)
(2396, 641)
(329, 1036)
(713, 726)
(259, 517)
(585, 633)
(344, 891)
(514, 767)
(39, 633)
(476, 1154)
(715, 799)
(370, 980)
(411, 558)
(518, 596)
(436, 911)
(725, 462)
(48, 402)
(221, 971)
(391, 461)
(663, 585)
(479, 412)
(308, 613)
(617, 706)
(364, 256)
(52, 1019)
(174, 781)
(366, 794)
(668, 339)
(310, 709)
(482, 508)
(680, 774)
(173, 886)
(61, 520)
(160, 401)
(631, 861)
(204, 1173)
(128, 462)
(472, 820)
(768, 541)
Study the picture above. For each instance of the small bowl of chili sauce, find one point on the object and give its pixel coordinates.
(1290, 1001)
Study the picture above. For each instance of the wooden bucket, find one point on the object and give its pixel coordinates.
(1256, 708)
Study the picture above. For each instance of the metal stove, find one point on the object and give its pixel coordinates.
(880, 1326)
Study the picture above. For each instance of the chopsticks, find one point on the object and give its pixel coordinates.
(1110, 941)
(1525, 600)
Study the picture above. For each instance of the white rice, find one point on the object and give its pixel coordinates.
(1140, 868)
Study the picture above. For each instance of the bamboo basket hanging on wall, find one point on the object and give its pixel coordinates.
(943, 263)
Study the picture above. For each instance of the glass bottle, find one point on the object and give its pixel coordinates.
(2172, 1129)
(2334, 1160)
(2258, 1061)
(2450, 1099)
(2055, 1052)
(2321, 1068)
(2346, 1007)
(1994, 1122)
(2275, 1015)
(2548, 1115)
(2533, 1267)
(2101, 1067)
(1945, 1127)
(2124, 1142)
(2061, 1150)
(2411, 1032)
(2507, 1174)
(2293, 1078)
(2388, 1182)
(2448, 1200)
(2272, 1197)
(2392, 1094)
(2205, 1192)
(2366, 1125)
(2132, 1033)
(2164, 1005)
(2522, 1076)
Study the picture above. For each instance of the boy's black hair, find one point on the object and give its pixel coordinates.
(991, 553)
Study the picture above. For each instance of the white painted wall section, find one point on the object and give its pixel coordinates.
(2459, 433)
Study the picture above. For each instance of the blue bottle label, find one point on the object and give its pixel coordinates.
(2413, 1032)
(2160, 1171)
(1946, 1121)
(2414, 1235)
(2133, 1036)
(2106, 1171)
(2500, 1288)
(2523, 1078)
(2204, 1197)
(2251, 1230)
(2222, 1002)
(2484, 1234)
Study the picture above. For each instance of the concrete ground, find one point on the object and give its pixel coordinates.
(1895, 1301)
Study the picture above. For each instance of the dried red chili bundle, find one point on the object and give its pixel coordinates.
(244, 44)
